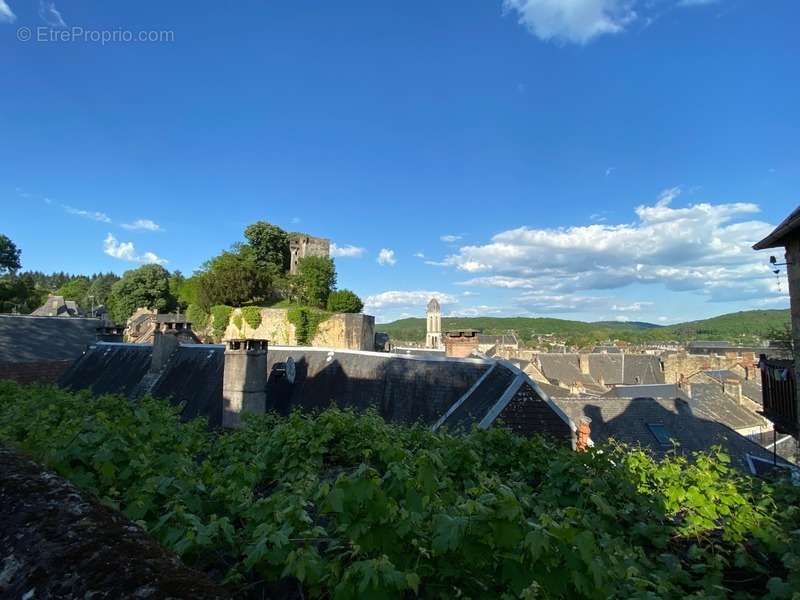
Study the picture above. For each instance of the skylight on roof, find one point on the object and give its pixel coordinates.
(661, 433)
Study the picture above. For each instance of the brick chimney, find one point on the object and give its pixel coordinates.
(583, 363)
(733, 387)
(460, 343)
(164, 344)
(244, 380)
(582, 434)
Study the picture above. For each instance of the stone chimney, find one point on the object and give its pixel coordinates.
(460, 343)
(164, 344)
(244, 380)
(583, 363)
(733, 387)
(582, 434)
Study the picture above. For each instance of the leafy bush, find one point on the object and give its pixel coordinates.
(237, 322)
(306, 322)
(344, 301)
(197, 316)
(221, 316)
(314, 280)
(345, 506)
(252, 316)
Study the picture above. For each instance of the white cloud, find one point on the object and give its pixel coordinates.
(622, 318)
(50, 14)
(702, 248)
(386, 257)
(477, 311)
(88, 214)
(668, 195)
(348, 251)
(632, 307)
(576, 21)
(144, 224)
(419, 255)
(580, 21)
(450, 238)
(6, 14)
(402, 304)
(127, 251)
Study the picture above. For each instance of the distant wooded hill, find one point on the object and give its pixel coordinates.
(745, 327)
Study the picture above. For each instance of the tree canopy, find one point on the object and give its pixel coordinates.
(270, 246)
(9, 256)
(147, 286)
(344, 301)
(232, 278)
(315, 278)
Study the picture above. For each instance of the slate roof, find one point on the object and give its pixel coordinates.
(508, 339)
(752, 390)
(712, 400)
(629, 421)
(404, 389)
(109, 368)
(777, 238)
(722, 374)
(656, 390)
(56, 306)
(474, 405)
(419, 351)
(611, 368)
(25, 339)
(507, 394)
(564, 368)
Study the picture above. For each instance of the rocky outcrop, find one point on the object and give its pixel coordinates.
(57, 542)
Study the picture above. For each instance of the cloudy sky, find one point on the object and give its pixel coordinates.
(586, 159)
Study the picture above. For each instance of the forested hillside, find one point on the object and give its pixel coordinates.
(747, 326)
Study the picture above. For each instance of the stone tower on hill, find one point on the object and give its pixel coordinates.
(302, 245)
(433, 339)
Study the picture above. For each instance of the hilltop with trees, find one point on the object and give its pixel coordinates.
(742, 327)
(250, 273)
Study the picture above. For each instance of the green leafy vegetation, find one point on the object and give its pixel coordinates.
(252, 316)
(306, 321)
(344, 301)
(9, 256)
(220, 316)
(742, 327)
(344, 506)
(197, 316)
(145, 287)
(315, 278)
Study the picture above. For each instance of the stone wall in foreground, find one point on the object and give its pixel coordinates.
(57, 542)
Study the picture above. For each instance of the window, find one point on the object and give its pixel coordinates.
(661, 433)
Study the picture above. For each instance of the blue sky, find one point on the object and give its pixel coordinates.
(587, 159)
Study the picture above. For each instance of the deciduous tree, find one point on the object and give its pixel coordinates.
(147, 287)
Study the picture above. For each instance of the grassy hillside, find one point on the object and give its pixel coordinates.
(744, 326)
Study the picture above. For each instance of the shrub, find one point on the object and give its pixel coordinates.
(344, 301)
(197, 316)
(252, 316)
(221, 316)
(342, 505)
(306, 322)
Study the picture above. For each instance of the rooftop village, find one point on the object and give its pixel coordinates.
(691, 396)
(667, 398)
